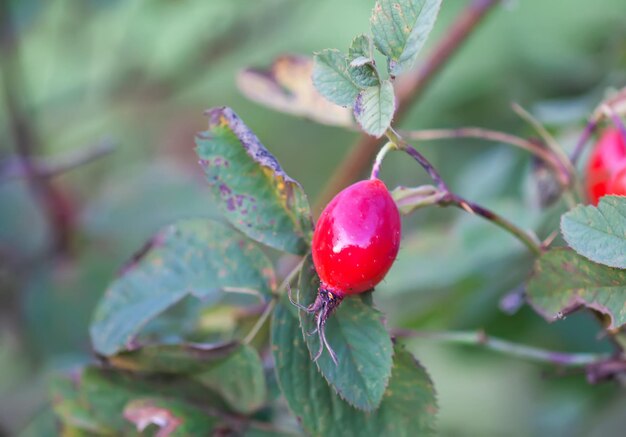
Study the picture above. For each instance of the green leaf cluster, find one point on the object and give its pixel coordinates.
(399, 29)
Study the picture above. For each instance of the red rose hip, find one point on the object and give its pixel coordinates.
(607, 159)
(356, 238)
(355, 243)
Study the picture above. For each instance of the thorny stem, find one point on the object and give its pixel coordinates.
(530, 241)
(479, 338)
(497, 136)
(408, 89)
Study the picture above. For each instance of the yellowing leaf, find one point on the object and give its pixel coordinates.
(286, 86)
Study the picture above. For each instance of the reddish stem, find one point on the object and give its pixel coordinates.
(582, 141)
(451, 198)
(26, 141)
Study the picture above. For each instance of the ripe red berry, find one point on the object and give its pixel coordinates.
(355, 242)
(607, 159)
(356, 238)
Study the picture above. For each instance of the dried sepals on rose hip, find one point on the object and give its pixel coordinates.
(355, 243)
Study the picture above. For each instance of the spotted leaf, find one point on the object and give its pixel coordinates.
(255, 194)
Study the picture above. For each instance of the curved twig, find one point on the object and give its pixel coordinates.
(497, 136)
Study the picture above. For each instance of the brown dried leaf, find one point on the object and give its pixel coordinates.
(286, 86)
(143, 413)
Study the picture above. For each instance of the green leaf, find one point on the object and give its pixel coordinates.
(234, 371)
(598, 233)
(103, 402)
(72, 410)
(257, 196)
(564, 281)
(374, 108)
(361, 47)
(192, 257)
(286, 86)
(172, 358)
(400, 29)
(172, 417)
(332, 79)
(408, 407)
(362, 67)
(356, 333)
(239, 379)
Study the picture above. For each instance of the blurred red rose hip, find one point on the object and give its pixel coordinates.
(607, 159)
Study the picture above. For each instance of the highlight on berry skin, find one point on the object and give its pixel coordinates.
(355, 243)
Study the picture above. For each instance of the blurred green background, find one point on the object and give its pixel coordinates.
(138, 74)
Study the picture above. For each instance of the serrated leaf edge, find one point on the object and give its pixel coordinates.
(575, 303)
(568, 215)
(341, 395)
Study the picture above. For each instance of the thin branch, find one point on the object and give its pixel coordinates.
(450, 198)
(408, 89)
(549, 140)
(479, 338)
(290, 277)
(558, 153)
(610, 107)
(582, 141)
(529, 240)
(52, 167)
(272, 303)
(496, 136)
(394, 137)
(25, 138)
(260, 321)
(246, 291)
(379, 158)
